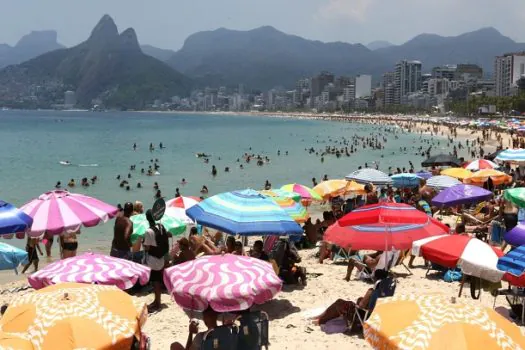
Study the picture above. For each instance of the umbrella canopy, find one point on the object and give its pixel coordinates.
(74, 316)
(13, 220)
(461, 194)
(475, 257)
(441, 182)
(304, 191)
(384, 213)
(457, 173)
(280, 193)
(91, 268)
(294, 209)
(244, 212)
(182, 202)
(374, 236)
(424, 174)
(369, 176)
(405, 180)
(170, 220)
(513, 264)
(434, 322)
(482, 176)
(441, 160)
(58, 211)
(512, 155)
(516, 196)
(480, 164)
(11, 257)
(225, 282)
(516, 236)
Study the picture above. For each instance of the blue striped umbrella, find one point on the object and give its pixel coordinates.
(11, 257)
(513, 262)
(244, 212)
(512, 155)
(405, 180)
(13, 220)
(369, 176)
(441, 182)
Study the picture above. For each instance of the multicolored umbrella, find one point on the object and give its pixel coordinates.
(441, 160)
(369, 176)
(475, 257)
(516, 236)
(13, 220)
(482, 176)
(92, 268)
(244, 212)
(224, 282)
(304, 191)
(516, 196)
(11, 257)
(435, 322)
(58, 211)
(280, 193)
(170, 220)
(295, 209)
(461, 194)
(183, 202)
(511, 155)
(405, 180)
(441, 182)
(480, 164)
(73, 316)
(457, 173)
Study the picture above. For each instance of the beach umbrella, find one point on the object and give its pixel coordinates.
(294, 209)
(58, 211)
(331, 188)
(373, 236)
(11, 257)
(482, 176)
(441, 160)
(224, 282)
(384, 213)
(13, 220)
(473, 256)
(405, 180)
(91, 268)
(461, 194)
(457, 173)
(436, 322)
(441, 182)
(369, 176)
(424, 174)
(245, 212)
(493, 155)
(170, 220)
(304, 191)
(480, 164)
(516, 236)
(182, 202)
(513, 264)
(511, 155)
(280, 193)
(516, 196)
(73, 316)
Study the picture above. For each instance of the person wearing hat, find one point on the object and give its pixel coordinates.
(121, 244)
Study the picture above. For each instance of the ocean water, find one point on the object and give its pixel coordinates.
(34, 142)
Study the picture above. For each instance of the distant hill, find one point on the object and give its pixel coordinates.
(160, 54)
(108, 66)
(29, 46)
(378, 44)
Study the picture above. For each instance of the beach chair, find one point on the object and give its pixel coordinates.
(401, 260)
(341, 255)
(220, 338)
(253, 330)
(387, 260)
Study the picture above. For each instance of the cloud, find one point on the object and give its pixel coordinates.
(344, 9)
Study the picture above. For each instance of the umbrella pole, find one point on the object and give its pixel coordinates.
(461, 285)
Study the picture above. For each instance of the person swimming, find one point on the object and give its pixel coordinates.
(177, 193)
(58, 185)
(227, 170)
(71, 183)
(156, 186)
(183, 182)
(139, 185)
(158, 194)
(204, 189)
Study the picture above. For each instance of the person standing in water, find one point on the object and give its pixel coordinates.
(121, 244)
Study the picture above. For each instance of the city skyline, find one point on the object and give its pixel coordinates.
(166, 24)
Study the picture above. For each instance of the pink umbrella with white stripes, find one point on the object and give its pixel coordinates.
(58, 211)
(225, 282)
(92, 268)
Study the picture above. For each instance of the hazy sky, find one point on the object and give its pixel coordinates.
(167, 23)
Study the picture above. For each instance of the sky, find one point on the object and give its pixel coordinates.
(167, 23)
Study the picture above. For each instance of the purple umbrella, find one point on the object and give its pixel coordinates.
(516, 236)
(424, 174)
(461, 194)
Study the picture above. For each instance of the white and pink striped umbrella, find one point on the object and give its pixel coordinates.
(480, 164)
(224, 282)
(92, 268)
(58, 211)
(183, 202)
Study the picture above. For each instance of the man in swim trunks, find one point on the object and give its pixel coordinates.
(121, 244)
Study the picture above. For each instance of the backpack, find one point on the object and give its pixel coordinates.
(162, 242)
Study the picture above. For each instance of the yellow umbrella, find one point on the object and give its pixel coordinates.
(458, 173)
(433, 322)
(333, 188)
(482, 176)
(355, 188)
(73, 316)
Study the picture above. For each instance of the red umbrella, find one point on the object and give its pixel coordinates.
(183, 202)
(374, 236)
(384, 213)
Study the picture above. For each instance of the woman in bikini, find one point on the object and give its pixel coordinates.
(69, 244)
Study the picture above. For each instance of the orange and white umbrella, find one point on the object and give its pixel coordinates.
(482, 176)
(436, 322)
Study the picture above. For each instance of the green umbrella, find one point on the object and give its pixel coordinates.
(516, 196)
(174, 225)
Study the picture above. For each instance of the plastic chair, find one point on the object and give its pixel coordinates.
(253, 330)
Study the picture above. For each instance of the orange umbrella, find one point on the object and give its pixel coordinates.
(458, 173)
(482, 176)
(72, 316)
(333, 188)
(435, 322)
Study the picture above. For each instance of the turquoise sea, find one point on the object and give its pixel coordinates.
(34, 142)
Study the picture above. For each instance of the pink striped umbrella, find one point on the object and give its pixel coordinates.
(183, 202)
(58, 211)
(91, 268)
(225, 282)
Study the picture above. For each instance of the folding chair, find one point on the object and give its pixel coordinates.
(386, 262)
(220, 338)
(253, 331)
(401, 261)
(341, 254)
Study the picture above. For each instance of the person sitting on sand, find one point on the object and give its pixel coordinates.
(230, 245)
(209, 316)
(68, 244)
(238, 248)
(182, 252)
(32, 247)
(370, 260)
(258, 252)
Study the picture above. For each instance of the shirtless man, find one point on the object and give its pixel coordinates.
(121, 244)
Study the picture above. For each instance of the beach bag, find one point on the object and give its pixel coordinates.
(162, 242)
(453, 276)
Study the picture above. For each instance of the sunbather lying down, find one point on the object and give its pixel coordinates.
(369, 260)
(348, 308)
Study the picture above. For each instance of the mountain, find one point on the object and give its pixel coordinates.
(479, 47)
(160, 54)
(378, 44)
(265, 57)
(108, 66)
(29, 46)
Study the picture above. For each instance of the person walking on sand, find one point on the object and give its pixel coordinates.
(32, 246)
(121, 244)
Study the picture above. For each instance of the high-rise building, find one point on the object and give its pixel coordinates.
(349, 93)
(508, 69)
(318, 83)
(363, 86)
(444, 72)
(388, 88)
(468, 72)
(407, 79)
